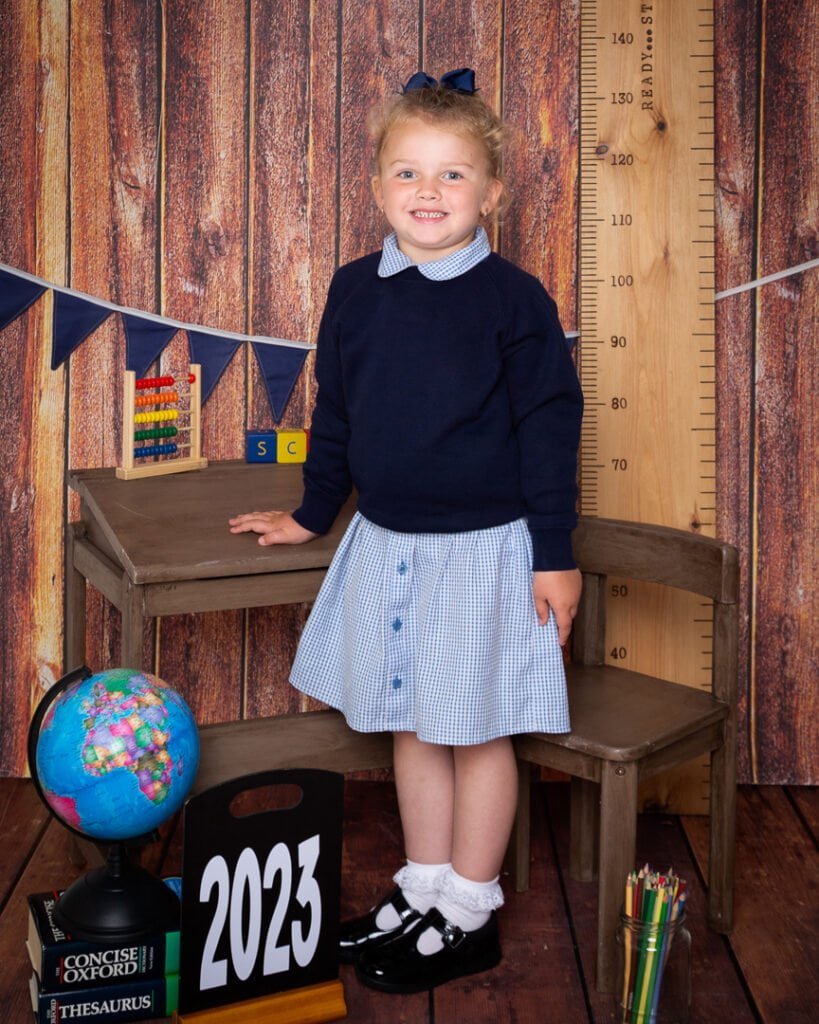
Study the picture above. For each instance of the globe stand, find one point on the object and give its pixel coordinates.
(117, 903)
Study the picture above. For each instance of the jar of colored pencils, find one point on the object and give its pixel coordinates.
(654, 975)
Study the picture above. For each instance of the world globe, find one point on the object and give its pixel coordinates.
(112, 755)
(115, 753)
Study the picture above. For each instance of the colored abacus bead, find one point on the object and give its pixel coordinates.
(163, 398)
(154, 449)
(154, 382)
(156, 417)
(161, 382)
(147, 435)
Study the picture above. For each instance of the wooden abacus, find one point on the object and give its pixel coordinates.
(152, 414)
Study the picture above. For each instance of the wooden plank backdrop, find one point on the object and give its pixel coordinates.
(203, 270)
(114, 147)
(736, 53)
(210, 160)
(33, 159)
(785, 607)
(293, 252)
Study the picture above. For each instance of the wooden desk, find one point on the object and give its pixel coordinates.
(161, 546)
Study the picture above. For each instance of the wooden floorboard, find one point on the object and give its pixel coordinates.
(371, 854)
(775, 940)
(23, 818)
(539, 980)
(48, 866)
(764, 974)
(718, 993)
(806, 801)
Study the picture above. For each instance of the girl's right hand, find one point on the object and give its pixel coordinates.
(274, 527)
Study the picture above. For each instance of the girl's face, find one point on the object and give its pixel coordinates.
(433, 185)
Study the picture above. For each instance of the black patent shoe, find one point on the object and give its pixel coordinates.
(398, 966)
(362, 934)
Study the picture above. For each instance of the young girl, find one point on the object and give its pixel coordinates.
(447, 398)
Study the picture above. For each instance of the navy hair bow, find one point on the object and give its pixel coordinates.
(460, 80)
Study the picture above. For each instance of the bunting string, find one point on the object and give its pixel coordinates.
(179, 325)
(798, 269)
(77, 315)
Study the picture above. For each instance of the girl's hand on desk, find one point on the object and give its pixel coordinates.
(274, 527)
(559, 591)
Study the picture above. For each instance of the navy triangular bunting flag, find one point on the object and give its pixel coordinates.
(74, 320)
(16, 295)
(213, 353)
(280, 366)
(145, 341)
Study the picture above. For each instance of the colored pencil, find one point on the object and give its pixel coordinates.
(631, 882)
(659, 937)
(653, 905)
(642, 960)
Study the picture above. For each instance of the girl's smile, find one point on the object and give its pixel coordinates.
(433, 186)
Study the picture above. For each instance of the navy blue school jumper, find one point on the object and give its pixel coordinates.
(448, 399)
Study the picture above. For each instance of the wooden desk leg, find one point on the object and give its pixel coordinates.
(75, 588)
(132, 624)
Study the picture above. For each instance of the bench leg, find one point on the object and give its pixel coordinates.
(723, 825)
(618, 823)
(584, 824)
(518, 852)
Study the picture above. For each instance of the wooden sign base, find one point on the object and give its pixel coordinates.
(313, 1004)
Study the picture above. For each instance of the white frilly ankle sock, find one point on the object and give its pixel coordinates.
(464, 903)
(419, 884)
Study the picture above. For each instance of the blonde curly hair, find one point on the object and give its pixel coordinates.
(463, 113)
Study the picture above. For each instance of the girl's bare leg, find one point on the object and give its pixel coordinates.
(457, 803)
(425, 783)
(486, 792)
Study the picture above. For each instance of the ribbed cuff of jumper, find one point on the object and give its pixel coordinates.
(552, 550)
(317, 513)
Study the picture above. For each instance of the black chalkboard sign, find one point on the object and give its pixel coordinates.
(260, 888)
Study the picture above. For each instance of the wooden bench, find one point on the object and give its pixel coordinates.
(312, 739)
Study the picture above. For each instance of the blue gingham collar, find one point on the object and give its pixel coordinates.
(393, 261)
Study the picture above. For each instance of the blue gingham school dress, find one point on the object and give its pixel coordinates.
(436, 634)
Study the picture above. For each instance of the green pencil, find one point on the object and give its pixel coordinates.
(647, 912)
(656, 958)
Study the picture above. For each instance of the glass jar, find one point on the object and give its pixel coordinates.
(653, 972)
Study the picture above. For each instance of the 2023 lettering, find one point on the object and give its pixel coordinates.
(239, 905)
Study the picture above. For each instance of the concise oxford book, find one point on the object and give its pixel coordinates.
(63, 962)
(137, 1000)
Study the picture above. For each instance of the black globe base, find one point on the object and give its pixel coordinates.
(117, 903)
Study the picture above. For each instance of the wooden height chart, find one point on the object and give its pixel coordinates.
(646, 354)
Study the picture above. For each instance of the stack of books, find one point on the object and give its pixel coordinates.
(74, 980)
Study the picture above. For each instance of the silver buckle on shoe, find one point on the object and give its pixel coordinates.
(452, 935)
